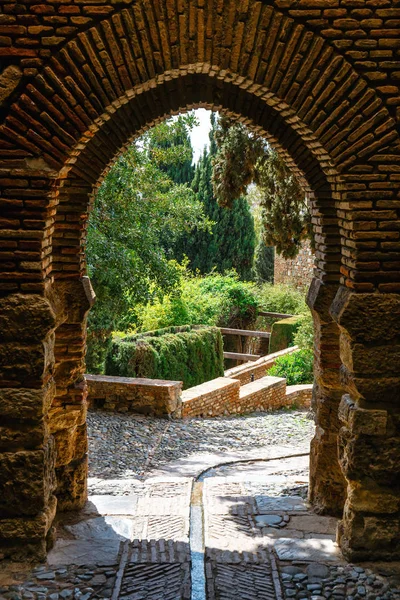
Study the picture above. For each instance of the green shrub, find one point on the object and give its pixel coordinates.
(304, 336)
(282, 333)
(296, 367)
(191, 355)
(210, 300)
(281, 298)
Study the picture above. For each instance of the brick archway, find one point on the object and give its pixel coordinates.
(67, 112)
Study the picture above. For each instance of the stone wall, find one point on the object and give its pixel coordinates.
(299, 395)
(267, 393)
(297, 271)
(154, 397)
(210, 399)
(225, 396)
(258, 368)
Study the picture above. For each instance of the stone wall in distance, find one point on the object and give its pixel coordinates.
(297, 271)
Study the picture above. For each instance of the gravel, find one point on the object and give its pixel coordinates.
(130, 446)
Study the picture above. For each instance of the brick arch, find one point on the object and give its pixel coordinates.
(195, 90)
(72, 100)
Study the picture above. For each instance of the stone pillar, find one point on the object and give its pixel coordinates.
(67, 416)
(369, 440)
(27, 453)
(327, 485)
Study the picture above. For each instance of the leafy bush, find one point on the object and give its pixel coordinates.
(281, 298)
(210, 300)
(304, 336)
(296, 367)
(191, 355)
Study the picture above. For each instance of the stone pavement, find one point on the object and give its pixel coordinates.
(256, 539)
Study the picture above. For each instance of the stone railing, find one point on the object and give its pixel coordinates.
(224, 396)
(258, 368)
(212, 398)
(299, 395)
(154, 397)
(218, 397)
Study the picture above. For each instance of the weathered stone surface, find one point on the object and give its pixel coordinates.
(68, 371)
(327, 484)
(26, 481)
(384, 391)
(369, 498)
(71, 444)
(363, 537)
(361, 421)
(25, 364)
(25, 318)
(379, 361)
(24, 403)
(73, 299)
(367, 317)
(72, 485)
(9, 79)
(29, 528)
(376, 457)
(327, 490)
(20, 434)
(65, 417)
(154, 397)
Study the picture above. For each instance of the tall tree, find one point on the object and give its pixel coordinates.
(231, 242)
(171, 139)
(137, 206)
(243, 158)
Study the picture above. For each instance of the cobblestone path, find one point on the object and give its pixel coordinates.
(258, 540)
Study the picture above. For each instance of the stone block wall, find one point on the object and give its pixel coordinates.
(154, 397)
(216, 397)
(258, 368)
(299, 395)
(297, 271)
(267, 393)
(225, 396)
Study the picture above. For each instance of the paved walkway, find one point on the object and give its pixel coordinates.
(256, 540)
(173, 515)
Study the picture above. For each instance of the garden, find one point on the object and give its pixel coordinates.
(178, 250)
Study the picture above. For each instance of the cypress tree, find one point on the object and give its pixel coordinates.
(232, 241)
(264, 262)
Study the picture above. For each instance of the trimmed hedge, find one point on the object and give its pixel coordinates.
(189, 354)
(282, 333)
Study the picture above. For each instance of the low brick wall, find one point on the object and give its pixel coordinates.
(299, 395)
(154, 397)
(258, 368)
(267, 393)
(216, 397)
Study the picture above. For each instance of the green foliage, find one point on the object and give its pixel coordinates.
(297, 367)
(170, 148)
(282, 334)
(243, 158)
(304, 336)
(235, 163)
(215, 299)
(189, 355)
(264, 263)
(285, 213)
(281, 298)
(231, 240)
(137, 206)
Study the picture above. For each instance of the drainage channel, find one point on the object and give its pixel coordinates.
(197, 537)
